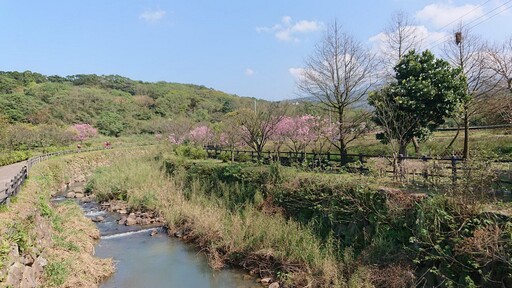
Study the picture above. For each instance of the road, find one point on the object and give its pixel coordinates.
(8, 172)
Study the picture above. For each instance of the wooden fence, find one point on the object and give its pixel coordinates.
(14, 186)
(425, 168)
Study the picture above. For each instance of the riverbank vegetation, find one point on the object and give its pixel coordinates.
(321, 230)
(45, 244)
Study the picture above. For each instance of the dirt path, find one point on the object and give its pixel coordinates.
(8, 172)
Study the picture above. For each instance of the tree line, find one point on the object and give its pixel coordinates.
(411, 92)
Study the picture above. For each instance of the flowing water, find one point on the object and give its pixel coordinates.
(156, 261)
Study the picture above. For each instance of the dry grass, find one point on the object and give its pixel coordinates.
(61, 234)
(265, 244)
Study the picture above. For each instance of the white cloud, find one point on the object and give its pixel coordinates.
(152, 16)
(297, 73)
(249, 72)
(288, 30)
(445, 14)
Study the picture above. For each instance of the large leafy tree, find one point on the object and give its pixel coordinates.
(425, 91)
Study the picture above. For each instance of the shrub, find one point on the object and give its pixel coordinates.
(191, 152)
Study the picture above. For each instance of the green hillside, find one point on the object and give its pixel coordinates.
(108, 101)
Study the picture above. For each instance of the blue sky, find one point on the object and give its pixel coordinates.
(249, 48)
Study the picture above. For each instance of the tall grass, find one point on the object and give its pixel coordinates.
(243, 236)
(59, 233)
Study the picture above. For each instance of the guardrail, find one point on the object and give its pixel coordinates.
(14, 186)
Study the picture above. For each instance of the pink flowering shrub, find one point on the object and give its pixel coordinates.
(83, 132)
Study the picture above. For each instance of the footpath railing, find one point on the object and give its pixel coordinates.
(14, 186)
(424, 168)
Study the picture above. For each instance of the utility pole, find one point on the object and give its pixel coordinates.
(458, 40)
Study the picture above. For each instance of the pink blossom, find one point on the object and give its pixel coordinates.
(296, 132)
(173, 139)
(201, 135)
(83, 132)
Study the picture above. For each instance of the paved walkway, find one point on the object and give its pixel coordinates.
(8, 172)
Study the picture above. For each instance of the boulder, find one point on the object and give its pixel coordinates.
(265, 281)
(38, 266)
(79, 195)
(70, 195)
(15, 275)
(28, 279)
(122, 221)
(13, 253)
(154, 232)
(130, 221)
(274, 285)
(28, 260)
(122, 211)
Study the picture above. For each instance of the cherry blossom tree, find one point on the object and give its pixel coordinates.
(296, 132)
(231, 135)
(83, 132)
(201, 135)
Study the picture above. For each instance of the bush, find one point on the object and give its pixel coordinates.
(225, 156)
(243, 157)
(191, 152)
(7, 158)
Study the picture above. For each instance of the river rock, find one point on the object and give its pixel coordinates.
(274, 285)
(70, 195)
(178, 234)
(98, 219)
(122, 211)
(79, 195)
(130, 221)
(78, 189)
(265, 281)
(28, 279)
(154, 232)
(122, 221)
(15, 275)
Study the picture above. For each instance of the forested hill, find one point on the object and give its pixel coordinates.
(28, 97)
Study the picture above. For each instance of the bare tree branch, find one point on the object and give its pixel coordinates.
(339, 74)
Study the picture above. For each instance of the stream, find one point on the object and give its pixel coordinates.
(143, 260)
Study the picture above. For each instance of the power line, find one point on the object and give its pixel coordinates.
(442, 40)
(460, 18)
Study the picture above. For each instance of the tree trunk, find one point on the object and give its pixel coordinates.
(465, 152)
(403, 149)
(343, 146)
(416, 146)
(343, 152)
(454, 138)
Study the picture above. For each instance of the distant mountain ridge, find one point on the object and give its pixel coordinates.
(34, 98)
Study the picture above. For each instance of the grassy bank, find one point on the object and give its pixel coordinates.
(53, 243)
(445, 238)
(319, 230)
(227, 229)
